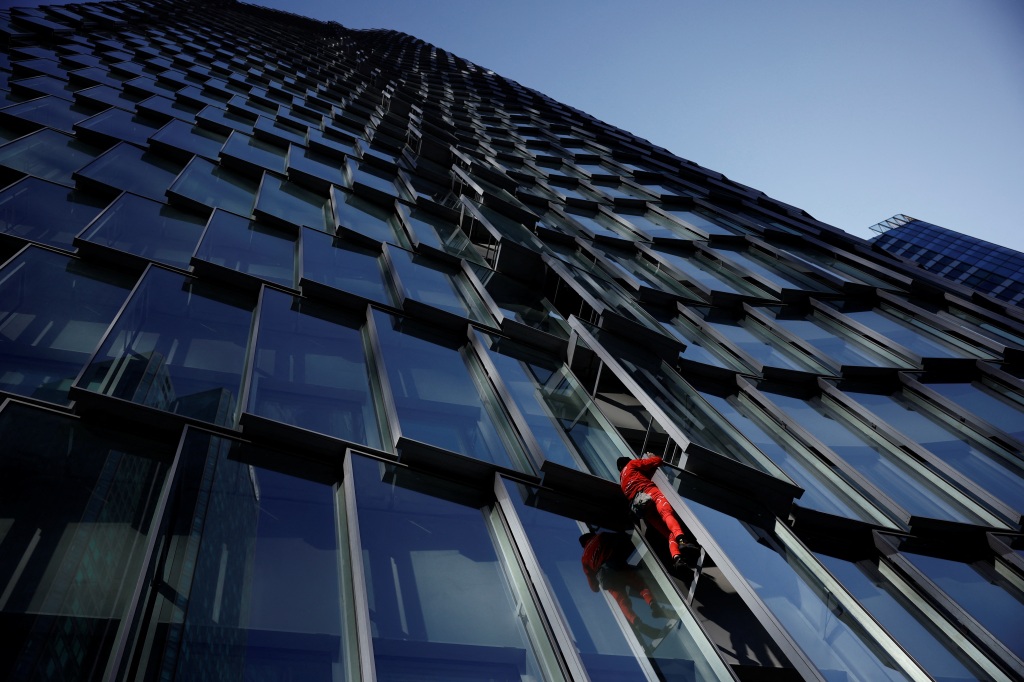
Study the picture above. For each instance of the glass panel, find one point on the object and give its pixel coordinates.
(773, 273)
(439, 394)
(366, 218)
(293, 204)
(258, 563)
(836, 267)
(893, 474)
(48, 155)
(591, 223)
(566, 423)
(305, 162)
(608, 624)
(698, 347)
(148, 229)
(254, 152)
(311, 372)
(522, 304)
(941, 658)
(436, 284)
(658, 228)
(189, 138)
(442, 235)
(53, 311)
(835, 345)
(250, 247)
(178, 346)
(821, 491)
(46, 213)
(905, 335)
(702, 272)
(52, 112)
(762, 348)
(702, 221)
(993, 601)
(1001, 478)
(342, 265)
(211, 185)
(442, 602)
(122, 125)
(836, 644)
(77, 506)
(134, 170)
(1004, 411)
(376, 178)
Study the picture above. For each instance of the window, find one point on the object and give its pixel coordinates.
(43, 212)
(249, 247)
(134, 170)
(335, 263)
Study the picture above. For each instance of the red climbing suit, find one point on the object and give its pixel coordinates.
(605, 564)
(636, 478)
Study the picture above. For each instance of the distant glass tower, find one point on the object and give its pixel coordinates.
(318, 348)
(989, 268)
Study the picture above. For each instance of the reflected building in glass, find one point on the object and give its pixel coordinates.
(318, 347)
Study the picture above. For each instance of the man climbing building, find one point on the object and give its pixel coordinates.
(649, 504)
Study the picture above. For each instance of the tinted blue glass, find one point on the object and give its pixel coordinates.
(254, 151)
(366, 218)
(134, 170)
(992, 600)
(265, 597)
(48, 155)
(250, 247)
(348, 267)
(773, 274)
(178, 346)
(940, 657)
(52, 112)
(441, 606)
(189, 138)
(381, 180)
(46, 213)
(306, 162)
(699, 220)
(77, 506)
(310, 371)
(148, 229)
(292, 204)
(607, 648)
(902, 333)
(819, 492)
(121, 125)
(835, 643)
(205, 183)
(845, 351)
(761, 348)
(53, 311)
(438, 396)
(566, 423)
(1005, 414)
(1004, 480)
(435, 284)
(702, 272)
(443, 235)
(889, 472)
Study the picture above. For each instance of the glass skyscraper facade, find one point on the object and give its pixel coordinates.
(986, 267)
(318, 347)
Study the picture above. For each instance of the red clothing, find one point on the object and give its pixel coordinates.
(636, 478)
(606, 554)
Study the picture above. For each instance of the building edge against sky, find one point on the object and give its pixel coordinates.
(318, 346)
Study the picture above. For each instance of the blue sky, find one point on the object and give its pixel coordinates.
(853, 111)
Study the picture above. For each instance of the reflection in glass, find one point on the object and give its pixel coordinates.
(443, 605)
(941, 658)
(366, 218)
(893, 474)
(53, 312)
(836, 644)
(210, 185)
(43, 212)
(834, 344)
(178, 346)
(293, 204)
(48, 155)
(249, 247)
(994, 474)
(906, 335)
(134, 170)
(660, 644)
(260, 578)
(440, 394)
(338, 264)
(568, 426)
(76, 512)
(438, 285)
(148, 229)
(310, 371)
(1003, 410)
(991, 599)
(752, 340)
